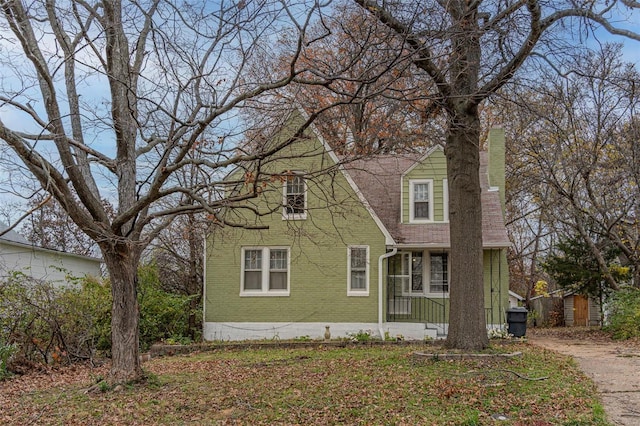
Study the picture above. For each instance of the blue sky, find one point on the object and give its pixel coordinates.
(96, 89)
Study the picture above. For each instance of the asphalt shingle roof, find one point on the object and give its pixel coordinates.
(378, 178)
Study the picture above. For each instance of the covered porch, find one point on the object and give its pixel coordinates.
(417, 289)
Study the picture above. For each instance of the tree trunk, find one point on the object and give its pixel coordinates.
(122, 262)
(467, 322)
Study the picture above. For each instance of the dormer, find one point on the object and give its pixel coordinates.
(424, 190)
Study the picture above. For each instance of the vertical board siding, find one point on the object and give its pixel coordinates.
(568, 311)
(496, 284)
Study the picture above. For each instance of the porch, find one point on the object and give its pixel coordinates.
(433, 313)
(417, 289)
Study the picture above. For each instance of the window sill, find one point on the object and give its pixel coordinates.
(351, 293)
(264, 294)
(295, 217)
(421, 221)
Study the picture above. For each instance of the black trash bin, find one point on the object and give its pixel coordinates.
(517, 321)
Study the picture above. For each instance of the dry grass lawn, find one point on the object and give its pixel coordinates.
(360, 384)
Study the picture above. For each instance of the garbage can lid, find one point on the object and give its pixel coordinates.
(517, 309)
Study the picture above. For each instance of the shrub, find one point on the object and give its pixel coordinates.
(624, 318)
(361, 336)
(52, 324)
(6, 352)
(163, 315)
(64, 324)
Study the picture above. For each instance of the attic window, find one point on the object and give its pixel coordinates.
(421, 200)
(295, 197)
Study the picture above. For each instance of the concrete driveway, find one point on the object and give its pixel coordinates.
(614, 367)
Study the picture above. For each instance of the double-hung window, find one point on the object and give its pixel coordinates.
(265, 271)
(421, 200)
(295, 197)
(358, 270)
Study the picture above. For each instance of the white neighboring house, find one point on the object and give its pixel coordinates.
(515, 299)
(19, 255)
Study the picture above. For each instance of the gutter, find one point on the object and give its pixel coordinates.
(380, 300)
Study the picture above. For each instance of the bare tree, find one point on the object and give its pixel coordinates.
(178, 252)
(380, 98)
(578, 155)
(469, 50)
(108, 99)
(49, 226)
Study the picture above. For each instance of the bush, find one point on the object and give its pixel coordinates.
(52, 324)
(163, 315)
(6, 352)
(65, 324)
(624, 319)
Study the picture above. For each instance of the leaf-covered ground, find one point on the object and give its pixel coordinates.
(315, 385)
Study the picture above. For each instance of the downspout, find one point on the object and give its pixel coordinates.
(204, 285)
(380, 300)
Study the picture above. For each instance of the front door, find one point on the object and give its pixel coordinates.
(580, 310)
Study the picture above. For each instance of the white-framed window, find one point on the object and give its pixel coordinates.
(294, 199)
(421, 200)
(265, 271)
(445, 200)
(406, 270)
(439, 274)
(417, 274)
(358, 270)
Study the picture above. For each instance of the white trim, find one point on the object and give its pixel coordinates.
(424, 157)
(412, 183)
(406, 276)
(381, 273)
(445, 200)
(350, 291)
(264, 290)
(401, 200)
(427, 275)
(294, 216)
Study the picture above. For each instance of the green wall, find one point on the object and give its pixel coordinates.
(434, 167)
(318, 250)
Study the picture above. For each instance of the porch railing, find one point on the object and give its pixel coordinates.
(415, 308)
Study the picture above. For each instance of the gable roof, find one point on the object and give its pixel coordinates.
(420, 160)
(379, 180)
(12, 238)
(11, 235)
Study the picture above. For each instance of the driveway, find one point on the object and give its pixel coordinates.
(614, 366)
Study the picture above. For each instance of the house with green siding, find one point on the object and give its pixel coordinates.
(357, 245)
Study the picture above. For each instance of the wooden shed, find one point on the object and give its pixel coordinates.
(581, 311)
(566, 308)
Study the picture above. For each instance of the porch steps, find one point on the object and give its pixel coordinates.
(435, 331)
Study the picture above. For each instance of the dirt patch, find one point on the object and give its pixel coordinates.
(613, 365)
